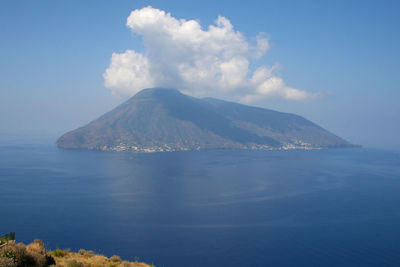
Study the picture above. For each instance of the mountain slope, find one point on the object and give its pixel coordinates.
(166, 120)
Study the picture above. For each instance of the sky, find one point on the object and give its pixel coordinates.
(64, 63)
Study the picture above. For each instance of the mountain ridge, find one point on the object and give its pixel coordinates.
(161, 119)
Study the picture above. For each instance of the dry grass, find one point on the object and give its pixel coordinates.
(34, 254)
(82, 259)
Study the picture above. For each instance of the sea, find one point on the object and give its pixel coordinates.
(333, 207)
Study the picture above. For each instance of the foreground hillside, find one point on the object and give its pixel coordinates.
(167, 120)
(35, 255)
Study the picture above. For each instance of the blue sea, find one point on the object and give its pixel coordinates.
(338, 207)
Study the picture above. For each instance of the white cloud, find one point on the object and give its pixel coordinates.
(202, 62)
(128, 72)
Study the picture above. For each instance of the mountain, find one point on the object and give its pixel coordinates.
(166, 120)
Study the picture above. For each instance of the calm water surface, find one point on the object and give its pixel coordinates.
(212, 208)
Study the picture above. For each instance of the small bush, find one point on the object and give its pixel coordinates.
(15, 252)
(115, 258)
(39, 242)
(36, 259)
(59, 253)
(9, 254)
(36, 248)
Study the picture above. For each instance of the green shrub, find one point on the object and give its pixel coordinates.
(7, 237)
(9, 254)
(59, 253)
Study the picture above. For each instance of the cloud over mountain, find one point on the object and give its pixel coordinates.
(181, 54)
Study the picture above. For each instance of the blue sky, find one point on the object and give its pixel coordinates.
(54, 53)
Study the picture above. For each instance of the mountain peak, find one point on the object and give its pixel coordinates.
(158, 91)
